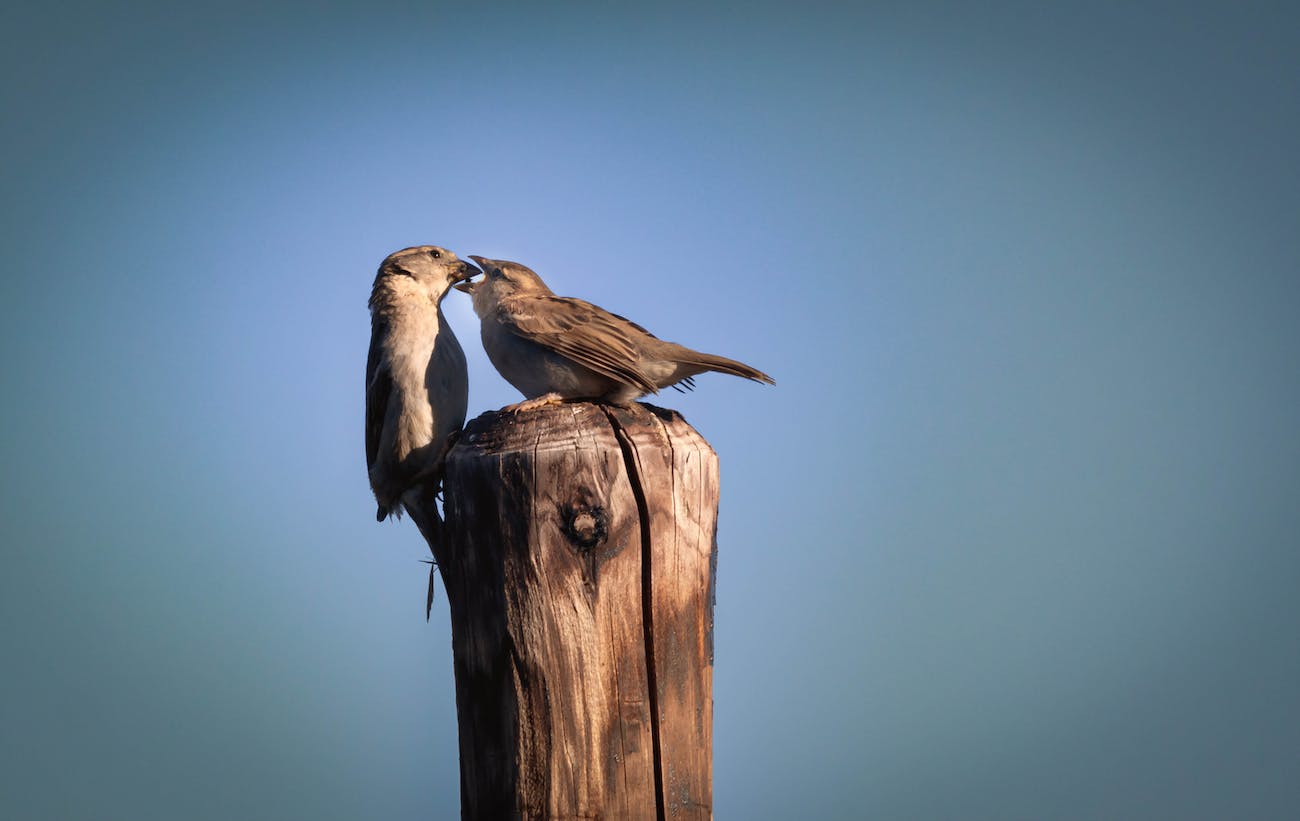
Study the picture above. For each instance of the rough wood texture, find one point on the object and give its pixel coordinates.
(575, 698)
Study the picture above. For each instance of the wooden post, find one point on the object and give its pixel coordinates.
(579, 562)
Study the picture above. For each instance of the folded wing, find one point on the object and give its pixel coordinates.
(585, 333)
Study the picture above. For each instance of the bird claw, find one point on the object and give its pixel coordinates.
(433, 473)
(534, 403)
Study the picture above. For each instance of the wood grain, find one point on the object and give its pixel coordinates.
(575, 698)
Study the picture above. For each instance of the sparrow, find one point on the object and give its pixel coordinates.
(554, 348)
(417, 385)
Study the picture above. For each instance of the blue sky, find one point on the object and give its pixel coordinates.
(1014, 536)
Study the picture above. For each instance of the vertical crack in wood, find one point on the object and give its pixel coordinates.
(546, 718)
(631, 460)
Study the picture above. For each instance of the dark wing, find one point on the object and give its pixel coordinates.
(379, 384)
(448, 379)
(587, 334)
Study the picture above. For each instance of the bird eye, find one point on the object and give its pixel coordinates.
(435, 254)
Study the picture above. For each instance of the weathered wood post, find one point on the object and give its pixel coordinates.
(579, 563)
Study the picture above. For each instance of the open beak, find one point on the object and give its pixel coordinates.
(468, 287)
(467, 271)
(463, 276)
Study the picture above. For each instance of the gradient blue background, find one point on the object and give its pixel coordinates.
(1014, 537)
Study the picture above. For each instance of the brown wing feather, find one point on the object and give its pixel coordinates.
(585, 333)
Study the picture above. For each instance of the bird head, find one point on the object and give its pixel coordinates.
(432, 268)
(504, 278)
(501, 279)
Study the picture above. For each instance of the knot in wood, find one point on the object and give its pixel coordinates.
(585, 526)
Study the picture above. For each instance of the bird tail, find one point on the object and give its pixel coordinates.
(697, 362)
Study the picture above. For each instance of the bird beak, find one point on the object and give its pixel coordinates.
(467, 271)
(467, 286)
(463, 276)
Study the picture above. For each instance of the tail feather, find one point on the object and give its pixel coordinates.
(721, 364)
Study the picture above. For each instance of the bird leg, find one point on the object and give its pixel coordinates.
(542, 401)
(432, 475)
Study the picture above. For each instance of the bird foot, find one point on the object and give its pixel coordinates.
(432, 475)
(534, 403)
